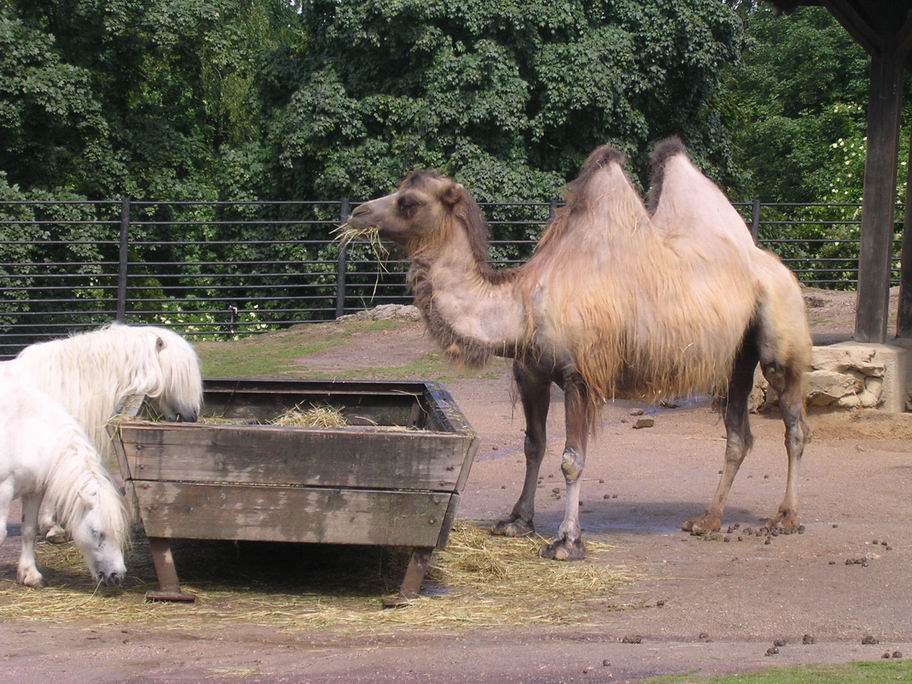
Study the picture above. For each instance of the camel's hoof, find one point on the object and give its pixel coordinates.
(564, 550)
(704, 524)
(30, 578)
(784, 521)
(513, 527)
(56, 535)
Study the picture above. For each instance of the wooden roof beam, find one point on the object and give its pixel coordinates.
(847, 15)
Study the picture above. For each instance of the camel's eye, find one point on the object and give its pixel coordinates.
(408, 205)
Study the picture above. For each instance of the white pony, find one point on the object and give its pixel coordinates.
(44, 453)
(94, 373)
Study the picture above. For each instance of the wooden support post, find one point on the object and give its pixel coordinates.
(904, 315)
(169, 586)
(878, 211)
(414, 576)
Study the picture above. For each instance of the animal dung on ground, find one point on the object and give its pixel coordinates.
(807, 639)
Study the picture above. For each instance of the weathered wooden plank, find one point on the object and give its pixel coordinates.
(294, 456)
(878, 210)
(291, 514)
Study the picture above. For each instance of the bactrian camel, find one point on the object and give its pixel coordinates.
(620, 299)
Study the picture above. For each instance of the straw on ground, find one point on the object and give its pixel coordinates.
(479, 580)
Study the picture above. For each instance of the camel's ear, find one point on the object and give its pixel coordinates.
(159, 344)
(452, 194)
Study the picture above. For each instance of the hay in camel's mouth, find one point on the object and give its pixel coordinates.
(477, 581)
(347, 233)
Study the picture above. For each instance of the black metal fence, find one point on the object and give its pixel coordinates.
(227, 269)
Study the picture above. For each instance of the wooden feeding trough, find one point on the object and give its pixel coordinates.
(368, 483)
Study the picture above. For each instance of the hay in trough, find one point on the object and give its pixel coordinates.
(478, 581)
(313, 417)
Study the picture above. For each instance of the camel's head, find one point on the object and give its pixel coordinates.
(416, 213)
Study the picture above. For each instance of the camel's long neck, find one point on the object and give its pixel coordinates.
(472, 313)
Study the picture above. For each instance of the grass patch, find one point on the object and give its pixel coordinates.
(274, 354)
(850, 673)
(478, 581)
(432, 366)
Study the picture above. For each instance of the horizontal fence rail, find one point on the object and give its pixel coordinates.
(222, 270)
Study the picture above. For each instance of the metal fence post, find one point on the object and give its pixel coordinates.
(342, 264)
(123, 260)
(755, 220)
(552, 210)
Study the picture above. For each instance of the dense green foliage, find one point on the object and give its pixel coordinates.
(230, 99)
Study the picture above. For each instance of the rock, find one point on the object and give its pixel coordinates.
(703, 636)
(844, 358)
(632, 639)
(814, 302)
(897, 654)
(868, 640)
(772, 650)
(807, 639)
(636, 412)
(826, 387)
(779, 643)
(386, 312)
(645, 422)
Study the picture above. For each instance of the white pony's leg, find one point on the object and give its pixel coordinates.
(6, 498)
(27, 572)
(48, 526)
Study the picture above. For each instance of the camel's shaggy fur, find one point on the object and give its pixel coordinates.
(652, 300)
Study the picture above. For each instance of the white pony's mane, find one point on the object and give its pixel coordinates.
(92, 373)
(180, 368)
(76, 475)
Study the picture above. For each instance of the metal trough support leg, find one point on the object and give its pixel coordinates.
(169, 586)
(414, 576)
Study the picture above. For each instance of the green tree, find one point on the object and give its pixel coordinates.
(508, 96)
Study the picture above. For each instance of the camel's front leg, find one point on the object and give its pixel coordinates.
(27, 572)
(535, 393)
(569, 542)
(738, 438)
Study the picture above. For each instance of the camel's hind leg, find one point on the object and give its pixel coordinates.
(788, 383)
(737, 435)
(569, 542)
(535, 393)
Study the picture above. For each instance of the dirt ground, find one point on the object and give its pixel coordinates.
(700, 607)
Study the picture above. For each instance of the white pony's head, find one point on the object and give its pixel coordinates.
(89, 506)
(100, 536)
(181, 395)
